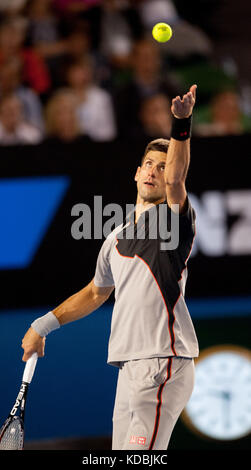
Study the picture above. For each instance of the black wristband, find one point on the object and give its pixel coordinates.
(181, 128)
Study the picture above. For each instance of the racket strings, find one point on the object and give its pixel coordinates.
(13, 436)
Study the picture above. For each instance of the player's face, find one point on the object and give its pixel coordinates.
(150, 177)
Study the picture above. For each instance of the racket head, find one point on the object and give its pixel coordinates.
(12, 434)
(12, 431)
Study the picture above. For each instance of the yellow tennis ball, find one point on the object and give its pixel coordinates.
(162, 32)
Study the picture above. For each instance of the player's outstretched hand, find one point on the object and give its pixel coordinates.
(183, 108)
(32, 342)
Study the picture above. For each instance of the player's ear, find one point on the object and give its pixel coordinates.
(136, 177)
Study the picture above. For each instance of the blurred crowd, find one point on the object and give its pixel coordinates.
(74, 69)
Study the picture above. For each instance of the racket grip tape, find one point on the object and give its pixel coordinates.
(30, 368)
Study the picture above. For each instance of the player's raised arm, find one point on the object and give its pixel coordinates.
(75, 307)
(178, 155)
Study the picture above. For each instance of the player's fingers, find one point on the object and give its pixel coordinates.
(190, 99)
(193, 89)
(40, 350)
(31, 345)
(28, 352)
(176, 102)
(176, 107)
(27, 355)
(186, 99)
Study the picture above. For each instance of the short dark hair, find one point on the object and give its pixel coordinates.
(159, 145)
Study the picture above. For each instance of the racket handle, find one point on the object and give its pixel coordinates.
(30, 368)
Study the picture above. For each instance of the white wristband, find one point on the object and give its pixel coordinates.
(44, 325)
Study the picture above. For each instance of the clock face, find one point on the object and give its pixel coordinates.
(220, 405)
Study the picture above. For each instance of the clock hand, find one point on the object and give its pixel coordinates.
(226, 395)
(226, 408)
(220, 394)
(216, 393)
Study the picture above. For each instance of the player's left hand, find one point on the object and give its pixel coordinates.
(183, 108)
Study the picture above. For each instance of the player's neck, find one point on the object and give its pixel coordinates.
(143, 205)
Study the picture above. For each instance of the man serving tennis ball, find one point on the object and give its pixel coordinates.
(152, 339)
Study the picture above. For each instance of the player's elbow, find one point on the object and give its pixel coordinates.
(177, 177)
(175, 182)
(176, 195)
(100, 294)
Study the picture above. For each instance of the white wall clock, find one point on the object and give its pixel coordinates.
(220, 405)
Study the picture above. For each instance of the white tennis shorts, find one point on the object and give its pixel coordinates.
(150, 396)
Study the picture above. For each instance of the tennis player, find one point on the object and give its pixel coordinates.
(152, 339)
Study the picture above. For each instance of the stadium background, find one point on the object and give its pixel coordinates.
(41, 263)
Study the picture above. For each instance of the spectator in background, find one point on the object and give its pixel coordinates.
(152, 10)
(71, 11)
(61, 117)
(11, 82)
(67, 7)
(57, 40)
(35, 71)
(78, 41)
(147, 79)
(43, 25)
(13, 129)
(155, 117)
(95, 108)
(47, 36)
(225, 116)
(119, 27)
(11, 7)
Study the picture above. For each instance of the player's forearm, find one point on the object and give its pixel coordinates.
(178, 160)
(178, 155)
(78, 305)
(75, 307)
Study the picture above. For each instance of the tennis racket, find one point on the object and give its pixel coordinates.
(12, 431)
